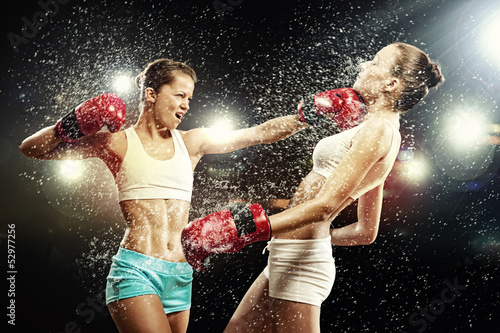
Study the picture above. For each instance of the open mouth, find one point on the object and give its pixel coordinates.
(179, 116)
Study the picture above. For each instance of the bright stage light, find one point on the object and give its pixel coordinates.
(462, 150)
(467, 130)
(405, 154)
(223, 125)
(416, 170)
(490, 35)
(122, 83)
(71, 169)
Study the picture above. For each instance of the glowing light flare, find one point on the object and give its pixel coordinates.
(223, 128)
(467, 130)
(405, 154)
(223, 125)
(490, 33)
(71, 169)
(122, 83)
(415, 170)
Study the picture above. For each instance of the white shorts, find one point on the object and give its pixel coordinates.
(300, 270)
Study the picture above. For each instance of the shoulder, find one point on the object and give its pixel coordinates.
(377, 128)
(202, 135)
(376, 135)
(106, 142)
(194, 135)
(194, 132)
(195, 138)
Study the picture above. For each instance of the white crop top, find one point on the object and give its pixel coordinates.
(329, 152)
(144, 177)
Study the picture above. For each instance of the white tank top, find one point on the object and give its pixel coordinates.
(329, 152)
(144, 177)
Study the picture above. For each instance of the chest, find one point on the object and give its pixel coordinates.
(161, 150)
(159, 147)
(333, 148)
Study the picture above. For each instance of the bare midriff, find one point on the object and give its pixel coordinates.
(154, 226)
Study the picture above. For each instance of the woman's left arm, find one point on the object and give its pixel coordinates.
(369, 146)
(212, 141)
(363, 232)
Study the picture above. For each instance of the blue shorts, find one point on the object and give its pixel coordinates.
(135, 274)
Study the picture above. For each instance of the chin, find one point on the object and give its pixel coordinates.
(357, 86)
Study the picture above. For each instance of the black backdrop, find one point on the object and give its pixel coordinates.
(439, 236)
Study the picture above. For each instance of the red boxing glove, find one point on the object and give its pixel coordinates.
(345, 105)
(225, 231)
(90, 116)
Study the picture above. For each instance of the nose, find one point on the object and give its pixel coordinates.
(185, 105)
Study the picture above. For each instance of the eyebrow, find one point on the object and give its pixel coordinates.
(185, 93)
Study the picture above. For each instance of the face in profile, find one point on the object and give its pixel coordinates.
(376, 75)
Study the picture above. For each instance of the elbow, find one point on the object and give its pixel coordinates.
(326, 210)
(369, 240)
(26, 151)
(368, 237)
(29, 151)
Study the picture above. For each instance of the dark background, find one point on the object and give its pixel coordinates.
(254, 59)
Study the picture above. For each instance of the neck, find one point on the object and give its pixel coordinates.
(148, 124)
(384, 110)
(381, 105)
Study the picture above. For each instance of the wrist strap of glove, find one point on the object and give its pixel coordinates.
(67, 128)
(244, 219)
(309, 112)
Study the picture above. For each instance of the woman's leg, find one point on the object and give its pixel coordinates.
(252, 315)
(178, 321)
(140, 314)
(288, 316)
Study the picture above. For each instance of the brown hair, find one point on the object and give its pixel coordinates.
(160, 72)
(418, 73)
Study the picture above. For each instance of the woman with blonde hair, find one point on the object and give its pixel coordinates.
(348, 166)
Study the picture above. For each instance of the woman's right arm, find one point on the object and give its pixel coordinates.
(75, 136)
(45, 145)
(41, 143)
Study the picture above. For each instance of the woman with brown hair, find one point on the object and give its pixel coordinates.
(349, 166)
(149, 283)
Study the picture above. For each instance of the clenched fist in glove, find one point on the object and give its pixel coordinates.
(90, 116)
(344, 106)
(225, 231)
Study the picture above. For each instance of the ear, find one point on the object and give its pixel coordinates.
(392, 84)
(150, 95)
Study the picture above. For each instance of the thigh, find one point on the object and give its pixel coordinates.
(178, 321)
(252, 314)
(140, 314)
(288, 316)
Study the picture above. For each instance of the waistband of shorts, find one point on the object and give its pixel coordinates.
(301, 241)
(152, 263)
(303, 244)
